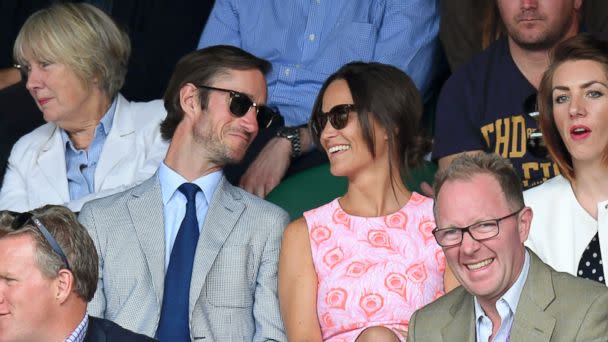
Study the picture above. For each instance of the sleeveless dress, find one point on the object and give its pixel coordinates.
(373, 270)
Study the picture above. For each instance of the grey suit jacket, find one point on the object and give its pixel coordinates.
(233, 291)
(553, 306)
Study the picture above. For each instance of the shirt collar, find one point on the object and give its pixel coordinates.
(106, 122)
(80, 332)
(511, 297)
(171, 180)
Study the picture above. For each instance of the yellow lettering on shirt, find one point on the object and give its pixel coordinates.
(518, 141)
(502, 139)
(485, 131)
(527, 169)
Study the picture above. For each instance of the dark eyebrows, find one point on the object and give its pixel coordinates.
(583, 86)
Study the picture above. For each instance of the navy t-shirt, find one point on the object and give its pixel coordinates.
(482, 107)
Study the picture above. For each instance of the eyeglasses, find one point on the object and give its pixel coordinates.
(22, 219)
(480, 231)
(337, 116)
(535, 142)
(240, 104)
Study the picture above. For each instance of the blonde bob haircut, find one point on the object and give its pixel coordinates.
(80, 36)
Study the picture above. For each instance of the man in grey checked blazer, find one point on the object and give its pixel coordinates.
(212, 101)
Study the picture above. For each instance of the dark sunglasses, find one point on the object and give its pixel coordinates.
(535, 142)
(337, 116)
(240, 104)
(22, 219)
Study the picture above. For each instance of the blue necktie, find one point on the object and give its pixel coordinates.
(174, 317)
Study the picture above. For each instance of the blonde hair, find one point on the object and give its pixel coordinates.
(80, 36)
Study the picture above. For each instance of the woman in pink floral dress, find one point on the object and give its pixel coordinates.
(359, 266)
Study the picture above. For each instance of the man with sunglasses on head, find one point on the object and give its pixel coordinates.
(48, 273)
(185, 255)
(489, 102)
(507, 292)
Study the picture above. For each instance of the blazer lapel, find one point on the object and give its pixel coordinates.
(119, 143)
(51, 162)
(223, 213)
(462, 327)
(146, 210)
(531, 323)
(95, 333)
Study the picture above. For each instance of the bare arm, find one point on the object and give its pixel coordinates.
(298, 285)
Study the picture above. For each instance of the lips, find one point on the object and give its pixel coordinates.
(44, 100)
(579, 132)
(526, 19)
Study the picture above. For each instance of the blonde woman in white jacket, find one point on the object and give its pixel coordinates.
(95, 142)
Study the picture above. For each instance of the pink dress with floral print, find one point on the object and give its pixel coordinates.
(373, 270)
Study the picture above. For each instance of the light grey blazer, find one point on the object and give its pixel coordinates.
(233, 291)
(553, 306)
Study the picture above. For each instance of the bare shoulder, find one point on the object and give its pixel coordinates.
(296, 243)
(297, 230)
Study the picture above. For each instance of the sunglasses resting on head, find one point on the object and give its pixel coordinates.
(23, 219)
(240, 104)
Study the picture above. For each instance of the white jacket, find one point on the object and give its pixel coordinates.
(561, 229)
(36, 173)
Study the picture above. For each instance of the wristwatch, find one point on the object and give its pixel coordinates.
(293, 135)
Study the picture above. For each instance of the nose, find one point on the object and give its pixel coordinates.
(528, 4)
(577, 107)
(469, 245)
(328, 130)
(250, 120)
(34, 80)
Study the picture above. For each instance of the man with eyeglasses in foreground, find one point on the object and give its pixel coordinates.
(507, 292)
(48, 273)
(185, 255)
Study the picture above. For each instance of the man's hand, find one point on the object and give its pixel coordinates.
(268, 168)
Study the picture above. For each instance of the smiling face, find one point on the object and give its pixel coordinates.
(346, 148)
(61, 95)
(487, 269)
(538, 24)
(580, 109)
(26, 296)
(224, 137)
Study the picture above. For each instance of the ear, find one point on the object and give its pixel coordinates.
(189, 99)
(64, 284)
(578, 4)
(524, 223)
